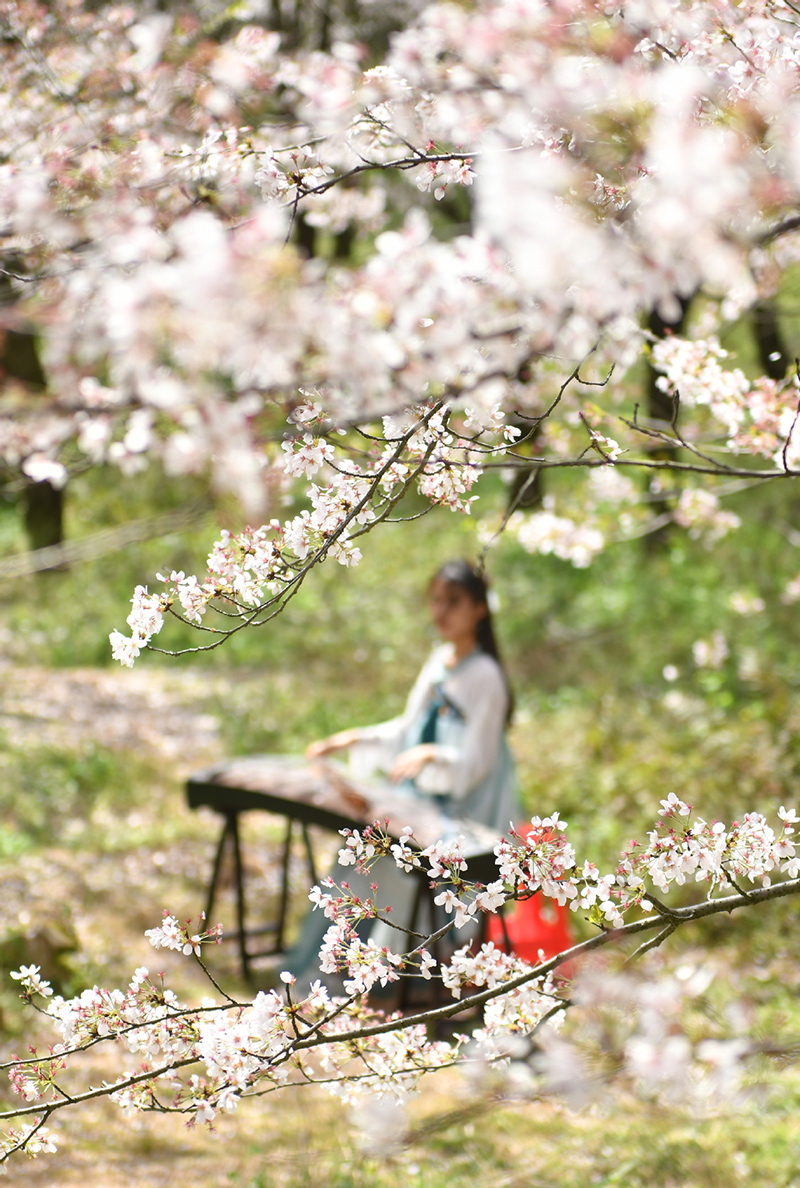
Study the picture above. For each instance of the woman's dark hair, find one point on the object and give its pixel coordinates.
(474, 581)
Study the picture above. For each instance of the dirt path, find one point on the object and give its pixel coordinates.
(159, 714)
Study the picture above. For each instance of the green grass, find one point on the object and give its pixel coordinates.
(46, 791)
(538, 1145)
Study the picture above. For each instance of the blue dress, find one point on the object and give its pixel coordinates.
(461, 709)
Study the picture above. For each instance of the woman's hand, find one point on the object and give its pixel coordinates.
(336, 742)
(410, 763)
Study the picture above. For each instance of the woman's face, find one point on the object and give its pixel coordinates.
(455, 614)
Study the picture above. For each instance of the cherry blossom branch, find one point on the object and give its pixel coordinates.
(123, 1030)
(128, 1082)
(677, 440)
(568, 956)
(573, 376)
(785, 227)
(472, 1001)
(401, 163)
(241, 1045)
(789, 435)
(659, 464)
(281, 600)
(654, 941)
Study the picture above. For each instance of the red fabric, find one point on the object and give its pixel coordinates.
(533, 924)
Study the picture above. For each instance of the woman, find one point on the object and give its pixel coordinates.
(449, 742)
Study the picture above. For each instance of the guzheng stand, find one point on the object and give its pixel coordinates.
(315, 793)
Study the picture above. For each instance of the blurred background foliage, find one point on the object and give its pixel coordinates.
(613, 709)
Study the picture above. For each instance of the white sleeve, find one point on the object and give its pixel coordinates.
(379, 745)
(480, 693)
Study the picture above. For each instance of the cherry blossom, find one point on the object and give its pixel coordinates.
(30, 979)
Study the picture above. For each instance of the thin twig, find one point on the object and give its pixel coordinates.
(787, 443)
(653, 943)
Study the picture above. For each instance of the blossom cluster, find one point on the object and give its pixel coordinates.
(545, 532)
(204, 1060)
(757, 416)
(148, 247)
(259, 567)
(699, 511)
(173, 935)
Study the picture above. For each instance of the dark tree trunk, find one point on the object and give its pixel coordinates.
(43, 505)
(305, 236)
(660, 408)
(19, 359)
(772, 353)
(44, 515)
(527, 487)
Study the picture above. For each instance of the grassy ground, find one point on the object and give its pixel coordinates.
(95, 840)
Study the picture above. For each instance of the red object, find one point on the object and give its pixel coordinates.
(533, 924)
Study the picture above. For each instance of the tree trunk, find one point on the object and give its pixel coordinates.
(43, 505)
(660, 408)
(772, 353)
(44, 515)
